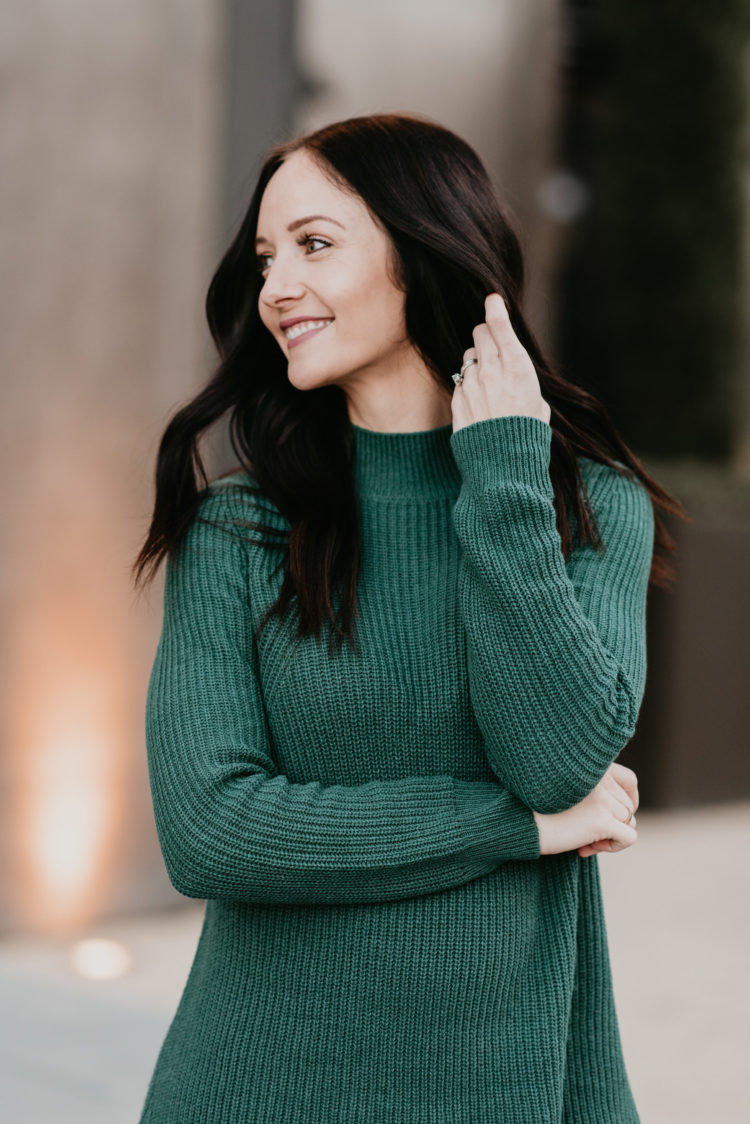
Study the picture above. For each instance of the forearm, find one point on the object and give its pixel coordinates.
(556, 655)
(238, 831)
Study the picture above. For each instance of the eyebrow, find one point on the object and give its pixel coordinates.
(301, 222)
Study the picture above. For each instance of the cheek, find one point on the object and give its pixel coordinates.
(374, 308)
(386, 316)
(263, 316)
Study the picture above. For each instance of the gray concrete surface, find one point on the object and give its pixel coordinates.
(678, 917)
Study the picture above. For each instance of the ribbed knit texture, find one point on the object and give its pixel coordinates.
(383, 941)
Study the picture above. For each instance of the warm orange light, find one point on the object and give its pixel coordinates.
(71, 796)
(67, 816)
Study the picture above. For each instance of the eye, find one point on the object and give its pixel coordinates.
(301, 241)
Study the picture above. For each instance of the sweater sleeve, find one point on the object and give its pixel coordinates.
(556, 651)
(230, 825)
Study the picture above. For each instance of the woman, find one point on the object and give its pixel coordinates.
(391, 829)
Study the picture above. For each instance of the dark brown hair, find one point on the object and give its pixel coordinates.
(453, 243)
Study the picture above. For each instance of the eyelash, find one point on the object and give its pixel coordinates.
(301, 241)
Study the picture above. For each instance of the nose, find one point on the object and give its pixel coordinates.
(281, 282)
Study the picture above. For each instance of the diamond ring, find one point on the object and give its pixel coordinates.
(459, 378)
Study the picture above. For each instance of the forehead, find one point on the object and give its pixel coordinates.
(300, 186)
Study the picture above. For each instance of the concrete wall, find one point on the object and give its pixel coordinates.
(109, 135)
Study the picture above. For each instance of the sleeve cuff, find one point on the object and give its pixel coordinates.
(494, 451)
(495, 823)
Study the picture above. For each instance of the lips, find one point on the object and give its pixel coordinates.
(284, 324)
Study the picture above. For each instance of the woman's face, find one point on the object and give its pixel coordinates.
(331, 269)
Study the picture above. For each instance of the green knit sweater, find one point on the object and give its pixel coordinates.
(383, 941)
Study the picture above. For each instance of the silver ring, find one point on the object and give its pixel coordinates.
(459, 378)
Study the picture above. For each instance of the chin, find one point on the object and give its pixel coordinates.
(310, 381)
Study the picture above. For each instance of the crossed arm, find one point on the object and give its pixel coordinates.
(556, 674)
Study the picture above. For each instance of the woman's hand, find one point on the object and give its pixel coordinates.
(598, 823)
(504, 381)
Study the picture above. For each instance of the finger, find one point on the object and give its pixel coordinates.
(470, 353)
(627, 778)
(595, 848)
(589, 849)
(498, 322)
(622, 774)
(459, 416)
(630, 798)
(623, 790)
(486, 349)
(630, 785)
(622, 835)
(624, 810)
(610, 845)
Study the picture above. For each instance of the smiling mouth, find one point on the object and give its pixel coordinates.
(299, 332)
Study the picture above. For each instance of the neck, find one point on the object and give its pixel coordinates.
(413, 465)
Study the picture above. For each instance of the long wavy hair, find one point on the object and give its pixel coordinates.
(452, 242)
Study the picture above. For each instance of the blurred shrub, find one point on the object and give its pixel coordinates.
(650, 301)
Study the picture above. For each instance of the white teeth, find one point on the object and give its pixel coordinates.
(304, 326)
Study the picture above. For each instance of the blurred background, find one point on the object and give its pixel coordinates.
(131, 135)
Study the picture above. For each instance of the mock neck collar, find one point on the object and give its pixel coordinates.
(413, 465)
